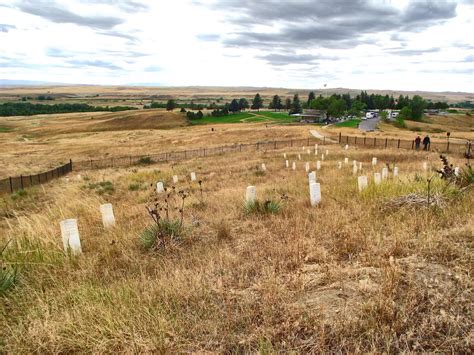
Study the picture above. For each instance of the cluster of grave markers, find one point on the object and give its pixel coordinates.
(70, 231)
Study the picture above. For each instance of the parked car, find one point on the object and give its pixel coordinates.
(370, 115)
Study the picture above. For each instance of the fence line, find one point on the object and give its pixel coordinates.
(127, 161)
(12, 184)
(374, 142)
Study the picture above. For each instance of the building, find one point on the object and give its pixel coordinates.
(311, 116)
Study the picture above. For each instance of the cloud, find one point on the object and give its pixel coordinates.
(125, 5)
(93, 63)
(208, 37)
(285, 59)
(326, 23)
(152, 69)
(54, 12)
(413, 52)
(5, 28)
(119, 35)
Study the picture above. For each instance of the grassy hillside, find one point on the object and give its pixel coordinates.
(355, 274)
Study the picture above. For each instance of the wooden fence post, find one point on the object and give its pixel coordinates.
(355, 140)
(70, 165)
(398, 146)
(386, 142)
(11, 184)
(31, 180)
(340, 137)
(412, 143)
(21, 181)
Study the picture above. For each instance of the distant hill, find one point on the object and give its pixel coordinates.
(10, 88)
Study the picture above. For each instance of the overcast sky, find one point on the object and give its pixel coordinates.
(384, 44)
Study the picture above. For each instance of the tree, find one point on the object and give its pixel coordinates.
(384, 116)
(170, 105)
(288, 104)
(320, 103)
(183, 110)
(257, 102)
(243, 103)
(356, 108)
(337, 107)
(199, 115)
(311, 97)
(276, 103)
(234, 106)
(417, 105)
(405, 113)
(296, 105)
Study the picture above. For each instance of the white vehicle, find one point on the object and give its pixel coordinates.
(369, 115)
(394, 114)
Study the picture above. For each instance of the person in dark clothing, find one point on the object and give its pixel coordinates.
(417, 142)
(426, 143)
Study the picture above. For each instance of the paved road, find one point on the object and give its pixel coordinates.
(318, 135)
(369, 124)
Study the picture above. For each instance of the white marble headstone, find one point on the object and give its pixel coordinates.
(70, 236)
(108, 218)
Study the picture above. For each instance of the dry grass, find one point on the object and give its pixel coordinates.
(341, 277)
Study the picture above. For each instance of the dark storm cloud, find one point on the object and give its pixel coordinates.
(285, 59)
(327, 23)
(5, 28)
(93, 63)
(54, 12)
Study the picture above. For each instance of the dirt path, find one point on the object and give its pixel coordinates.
(318, 135)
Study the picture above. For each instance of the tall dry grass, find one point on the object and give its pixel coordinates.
(344, 276)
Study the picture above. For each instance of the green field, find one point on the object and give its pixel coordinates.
(253, 116)
(351, 123)
(5, 129)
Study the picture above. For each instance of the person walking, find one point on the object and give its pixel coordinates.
(426, 143)
(417, 142)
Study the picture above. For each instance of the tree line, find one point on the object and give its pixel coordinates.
(335, 105)
(29, 109)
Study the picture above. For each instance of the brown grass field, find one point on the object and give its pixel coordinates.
(355, 274)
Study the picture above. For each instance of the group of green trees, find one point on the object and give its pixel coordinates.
(28, 109)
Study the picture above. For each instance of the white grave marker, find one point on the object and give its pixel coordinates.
(175, 179)
(362, 182)
(360, 166)
(318, 165)
(384, 173)
(287, 164)
(159, 187)
(377, 178)
(70, 236)
(293, 166)
(264, 168)
(108, 218)
(193, 176)
(374, 161)
(284, 155)
(316, 147)
(251, 194)
(354, 169)
(346, 147)
(425, 166)
(315, 193)
(299, 156)
(339, 164)
(346, 160)
(308, 151)
(395, 171)
(322, 156)
(312, 177)
(306, 167)
(315, 152)
(456, 171)
(327, 152)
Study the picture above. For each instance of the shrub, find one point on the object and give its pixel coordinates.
(267, 207)
(8, 276)
(134, 187)
(19, 194)
(144, 161)
(103, 187)
(162, 234)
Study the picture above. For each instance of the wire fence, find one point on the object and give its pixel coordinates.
(13, 184)
(127, 161)
(450, 147)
